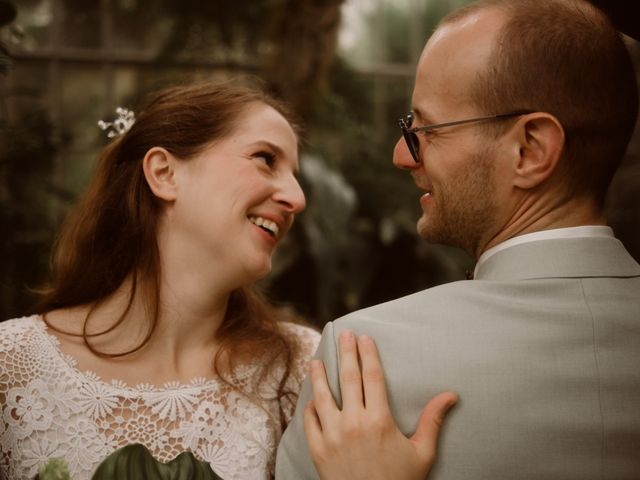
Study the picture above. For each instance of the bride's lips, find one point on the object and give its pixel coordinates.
(272, 227)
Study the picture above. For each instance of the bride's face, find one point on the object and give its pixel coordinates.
(237, 198)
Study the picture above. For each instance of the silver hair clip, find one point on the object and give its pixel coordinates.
(121, 125)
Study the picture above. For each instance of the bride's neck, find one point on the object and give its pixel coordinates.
(181, 346)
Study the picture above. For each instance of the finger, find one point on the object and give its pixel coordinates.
(323, 400)
(430, 423)
(350, 378)
(312, 427)
(375, 390)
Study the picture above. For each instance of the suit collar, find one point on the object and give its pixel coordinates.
(568, 232)
(560, 258)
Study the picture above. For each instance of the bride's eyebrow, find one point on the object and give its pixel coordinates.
(271, 146)
(277, 151)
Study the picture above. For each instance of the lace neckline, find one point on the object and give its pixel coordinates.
(118, 386)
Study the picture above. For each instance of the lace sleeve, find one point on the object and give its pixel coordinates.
(307, 340)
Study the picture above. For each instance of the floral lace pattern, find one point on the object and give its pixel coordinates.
(49, 409)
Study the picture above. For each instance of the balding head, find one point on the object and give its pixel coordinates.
(563, 57)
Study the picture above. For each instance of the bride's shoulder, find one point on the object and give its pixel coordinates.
(305, 335)
(306, 340)
(67, 319)
(22, 340)
(18, 326)
(40, 330)
(66, 325)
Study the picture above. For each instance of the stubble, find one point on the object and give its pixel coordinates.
(464, 207)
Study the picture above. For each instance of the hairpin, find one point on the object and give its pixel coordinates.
(121, 125)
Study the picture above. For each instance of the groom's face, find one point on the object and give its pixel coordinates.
(456, 170)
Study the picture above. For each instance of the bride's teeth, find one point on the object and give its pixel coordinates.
(270, 226)
(266, 224)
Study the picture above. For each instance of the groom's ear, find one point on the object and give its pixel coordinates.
(159, 168)
(540, 142)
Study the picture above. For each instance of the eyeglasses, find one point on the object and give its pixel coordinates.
(413, 142)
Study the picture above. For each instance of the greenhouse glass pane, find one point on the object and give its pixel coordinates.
(80, 24)
(27, 88)
(83, 92)
(139, 25)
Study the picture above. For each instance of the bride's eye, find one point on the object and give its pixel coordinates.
(267, 158)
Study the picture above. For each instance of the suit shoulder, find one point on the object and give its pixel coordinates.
(431, 302)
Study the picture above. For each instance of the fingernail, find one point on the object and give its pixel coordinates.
(346, 335)
(366, 339)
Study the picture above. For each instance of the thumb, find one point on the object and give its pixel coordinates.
(431, 420)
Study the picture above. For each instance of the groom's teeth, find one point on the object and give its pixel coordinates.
(266, 224)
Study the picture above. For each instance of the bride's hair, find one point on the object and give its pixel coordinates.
(110, 237)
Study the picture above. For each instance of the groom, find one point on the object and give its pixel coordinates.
(521, 113)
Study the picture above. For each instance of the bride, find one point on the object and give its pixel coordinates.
(150, 331)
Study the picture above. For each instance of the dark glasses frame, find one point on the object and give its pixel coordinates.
(413, 142)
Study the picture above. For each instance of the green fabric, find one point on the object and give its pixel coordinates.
(135, 462)
(54, 469)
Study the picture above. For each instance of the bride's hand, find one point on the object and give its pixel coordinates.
(362, 441)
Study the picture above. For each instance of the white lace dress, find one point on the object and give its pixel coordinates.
(52, 410)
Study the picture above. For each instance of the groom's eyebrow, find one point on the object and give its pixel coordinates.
(422, 117)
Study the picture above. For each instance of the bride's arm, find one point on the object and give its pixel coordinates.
(362, 441)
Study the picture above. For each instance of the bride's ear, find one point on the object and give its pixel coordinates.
(158, 166)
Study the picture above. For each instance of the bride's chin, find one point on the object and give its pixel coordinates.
(259, 272)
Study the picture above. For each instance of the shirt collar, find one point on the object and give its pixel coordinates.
(556, 233)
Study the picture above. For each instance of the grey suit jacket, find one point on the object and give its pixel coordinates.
(543, 348)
